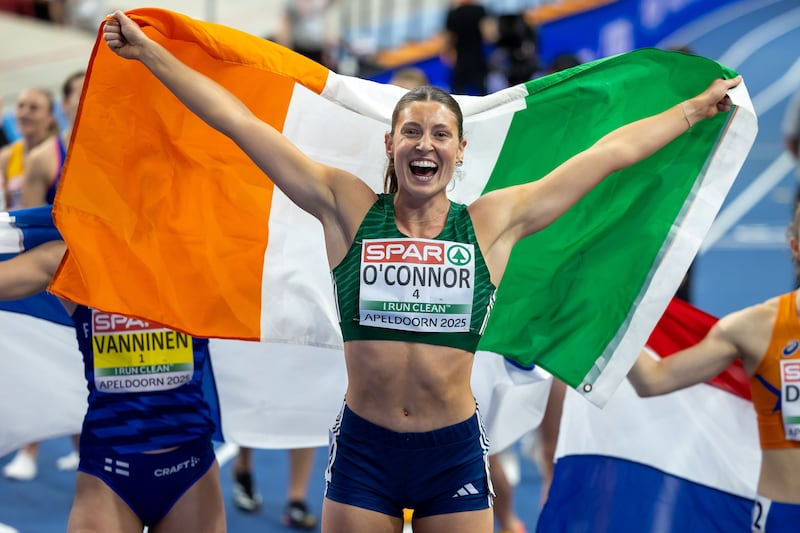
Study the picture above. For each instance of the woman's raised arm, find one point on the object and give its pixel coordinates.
(312, 186)
(531, 207)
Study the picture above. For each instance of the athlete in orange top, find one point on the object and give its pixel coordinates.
(775, 384)
(766, 337)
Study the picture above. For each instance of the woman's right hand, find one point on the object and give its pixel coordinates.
(123, 36)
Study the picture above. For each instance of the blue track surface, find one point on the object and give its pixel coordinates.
(749, 261)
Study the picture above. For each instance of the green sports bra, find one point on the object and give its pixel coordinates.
(393, 287)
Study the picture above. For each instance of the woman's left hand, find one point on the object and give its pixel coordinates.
(713, 100)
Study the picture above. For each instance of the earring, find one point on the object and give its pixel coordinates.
(458, 174)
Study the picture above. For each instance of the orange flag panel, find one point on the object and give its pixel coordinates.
(206, 197)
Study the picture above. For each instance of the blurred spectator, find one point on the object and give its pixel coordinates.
(791, 136)
(564, 61)
(4, 139)
(49, 10)
(517, 51)
(310, 28)
(791, 140)
(468, 28)
(296, 513)
(409, 77)
(36, 122)
(82, 14)
(545, 452)
(504, 515)
(43, 167)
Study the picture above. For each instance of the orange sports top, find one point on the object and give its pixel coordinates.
(765, 383)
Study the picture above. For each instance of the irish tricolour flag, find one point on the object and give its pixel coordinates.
(167, 220)
(263, 394)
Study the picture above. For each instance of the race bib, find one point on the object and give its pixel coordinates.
(416, 284)
(132, 355)
(790, 398)
(758, 520)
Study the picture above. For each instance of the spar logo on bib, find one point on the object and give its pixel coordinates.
(113, 323)
(405, 251)
(416, 284)
(790, 398)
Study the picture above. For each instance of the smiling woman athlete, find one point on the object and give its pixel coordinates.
(409, 434)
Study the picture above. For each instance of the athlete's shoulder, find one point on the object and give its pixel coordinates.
(753, 322)
(42, 158)
(44, 149)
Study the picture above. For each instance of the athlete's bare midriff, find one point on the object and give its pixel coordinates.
(779, 479)
(409, 387)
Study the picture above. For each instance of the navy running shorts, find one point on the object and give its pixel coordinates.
(436, 472)
(151, 483)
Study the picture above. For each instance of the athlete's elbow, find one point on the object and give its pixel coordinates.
(646, 391)
(621, 155)
(642, 389)
(643, 377)
(610, 155)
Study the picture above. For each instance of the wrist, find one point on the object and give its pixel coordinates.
(686, 113)
(151, 54)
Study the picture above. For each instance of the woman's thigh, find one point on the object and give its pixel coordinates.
(342, 518)
(201, 509)
(96, 507)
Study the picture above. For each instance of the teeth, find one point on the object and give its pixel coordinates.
(424, 164)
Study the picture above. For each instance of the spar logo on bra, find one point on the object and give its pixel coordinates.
(790, 347)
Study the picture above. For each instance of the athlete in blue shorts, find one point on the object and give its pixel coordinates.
(146, 457)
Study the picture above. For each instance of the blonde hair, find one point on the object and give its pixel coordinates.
(409, 78)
